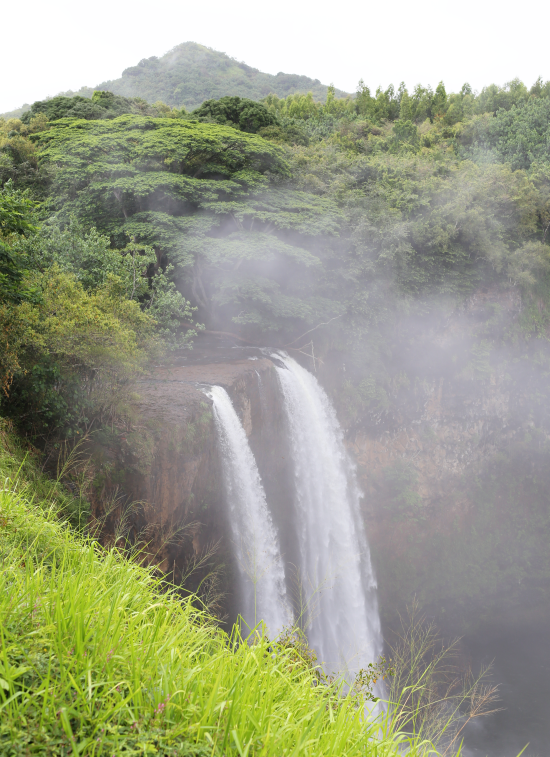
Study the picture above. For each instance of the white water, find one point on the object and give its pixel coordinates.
(334, 556)
(262, 576)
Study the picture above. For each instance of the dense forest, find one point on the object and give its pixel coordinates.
(274, 217)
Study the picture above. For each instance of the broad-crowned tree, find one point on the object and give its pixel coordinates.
(214, 203)
(239, 112)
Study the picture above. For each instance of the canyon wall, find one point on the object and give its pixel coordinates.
(454, 464)
(160, 483)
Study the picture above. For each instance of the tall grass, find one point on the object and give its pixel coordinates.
(97, 657)
(20, 461)
(433, 694)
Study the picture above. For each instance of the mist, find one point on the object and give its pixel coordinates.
(445, 407)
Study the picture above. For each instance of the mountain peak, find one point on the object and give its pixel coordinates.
(191, 73)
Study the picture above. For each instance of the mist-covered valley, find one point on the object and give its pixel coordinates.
(283, 353)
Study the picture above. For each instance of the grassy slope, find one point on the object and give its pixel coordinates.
(95, 659)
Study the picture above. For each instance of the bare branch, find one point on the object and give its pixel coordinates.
(313, 329)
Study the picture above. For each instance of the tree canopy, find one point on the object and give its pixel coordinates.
(210, 200)
(100, 105)
(240, 112)
(15, 211)
(291, 216)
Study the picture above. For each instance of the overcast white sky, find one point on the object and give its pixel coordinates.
(60, 45)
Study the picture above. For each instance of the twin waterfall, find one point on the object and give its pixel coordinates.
(334, 589)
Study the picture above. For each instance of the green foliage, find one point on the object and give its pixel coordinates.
(239, 112)
(243, 243)
(72, 353)
(169, 308)
(406, 134)
(298, 107)
(191, 73)
(15, 209)
(494, 98)
(99, 656)
(85, 254)
(88, 256)
(421, 226)
(74, 331)
(210, 199)
(18, 159)
(295, 105)
(120, 329)
(15, 221)
(367, 396)
(20, 462)
(44, 402)
(404, 500)
(101, 105)
(285, 133)
(521, 136)
(385, 105)
(162, 166)
(362, 211)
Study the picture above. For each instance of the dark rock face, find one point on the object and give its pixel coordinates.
(456, 470)
(170, 467)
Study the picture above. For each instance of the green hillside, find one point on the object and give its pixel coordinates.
(191, 73)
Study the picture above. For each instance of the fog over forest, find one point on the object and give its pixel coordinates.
(275, 416)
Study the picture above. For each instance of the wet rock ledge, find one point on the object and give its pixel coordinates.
(160, 483)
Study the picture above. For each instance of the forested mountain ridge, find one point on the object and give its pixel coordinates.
(191, 73)
(348, 211)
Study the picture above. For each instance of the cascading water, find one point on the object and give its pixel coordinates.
(262, 576)
(335, 565)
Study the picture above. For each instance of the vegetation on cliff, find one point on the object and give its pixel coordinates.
(100, 657)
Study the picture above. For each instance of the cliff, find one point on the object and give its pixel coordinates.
(159, 485)
(455, 467)
(453, 464)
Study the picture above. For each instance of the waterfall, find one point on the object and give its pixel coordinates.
(343, 624)
(261, 571)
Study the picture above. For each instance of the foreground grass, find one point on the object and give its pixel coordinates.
(96, 659)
